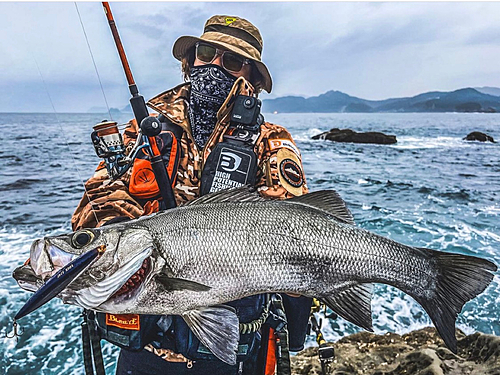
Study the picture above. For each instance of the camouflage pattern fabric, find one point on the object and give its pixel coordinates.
(280, 174)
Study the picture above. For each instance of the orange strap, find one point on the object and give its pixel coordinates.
(271, 360)
(150, 207)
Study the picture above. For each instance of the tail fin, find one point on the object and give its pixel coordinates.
(460, 278)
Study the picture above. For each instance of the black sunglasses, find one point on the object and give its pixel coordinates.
(230, 61)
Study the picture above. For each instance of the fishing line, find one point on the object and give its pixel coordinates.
(16, 329)
(62, 133)
(93, 60)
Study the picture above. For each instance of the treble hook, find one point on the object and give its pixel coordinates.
(15, 333)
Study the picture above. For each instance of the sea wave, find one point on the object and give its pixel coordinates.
(51, 335)
(431, 189)
(22, 183)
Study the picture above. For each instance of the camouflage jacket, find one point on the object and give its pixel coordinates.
(279, 176)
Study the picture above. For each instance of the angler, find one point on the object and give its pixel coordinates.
(212, 137)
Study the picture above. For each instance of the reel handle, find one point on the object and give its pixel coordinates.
(150, 126)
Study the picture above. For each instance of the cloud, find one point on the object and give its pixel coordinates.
(372, 50)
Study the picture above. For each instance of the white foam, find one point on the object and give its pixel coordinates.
(307, 135)
(467, 233)
(435, 199)
(489, 210)
(406, 142)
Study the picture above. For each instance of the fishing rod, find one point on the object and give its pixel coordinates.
(149, 125)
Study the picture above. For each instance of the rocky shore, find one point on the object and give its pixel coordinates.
(478, 136)
(420, 352)
(351, 136)
(348, 135)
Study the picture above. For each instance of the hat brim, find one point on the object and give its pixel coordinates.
(184, 43)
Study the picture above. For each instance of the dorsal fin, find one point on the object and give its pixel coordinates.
(328, 201)
(244, 193)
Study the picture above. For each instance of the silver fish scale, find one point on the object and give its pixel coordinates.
(240, 249)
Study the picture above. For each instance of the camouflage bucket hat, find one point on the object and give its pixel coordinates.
(234, 34)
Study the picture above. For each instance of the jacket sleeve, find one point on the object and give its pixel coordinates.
(104, 200)
(280, 174)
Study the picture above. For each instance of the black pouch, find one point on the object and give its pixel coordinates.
(297, 310)
(228, 166)
(142, 329)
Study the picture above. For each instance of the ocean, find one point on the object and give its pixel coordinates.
(430, 189)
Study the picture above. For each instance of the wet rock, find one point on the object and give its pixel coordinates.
(478, 136)
(420, 352)
(348, 135)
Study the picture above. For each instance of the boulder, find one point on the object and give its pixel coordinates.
(419, 352)
(348, 135)
(478, 136)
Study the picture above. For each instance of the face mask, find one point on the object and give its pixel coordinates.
(210, 86)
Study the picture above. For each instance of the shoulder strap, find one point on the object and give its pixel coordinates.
(167, 125)
(283, 357)
(91, 345)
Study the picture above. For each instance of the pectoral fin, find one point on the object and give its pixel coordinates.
(354, 305)
(171, 284)
(217, 327)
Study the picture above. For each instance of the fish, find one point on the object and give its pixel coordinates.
(193, 259)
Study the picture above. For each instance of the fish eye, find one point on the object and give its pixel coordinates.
(82, 238)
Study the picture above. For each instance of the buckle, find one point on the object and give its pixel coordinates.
(169, 355)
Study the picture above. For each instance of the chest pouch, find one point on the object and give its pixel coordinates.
(143, 183)
(233, 162)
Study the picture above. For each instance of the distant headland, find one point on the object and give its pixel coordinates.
(479, 99)
(484, 99)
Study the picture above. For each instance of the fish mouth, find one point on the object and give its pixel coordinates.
(130, 288)
(26, 278)
(117, 290)
(46, 259)
(29, 280)
(120, 287)
(44, 262)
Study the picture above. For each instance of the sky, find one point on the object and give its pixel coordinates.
(372, 50)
